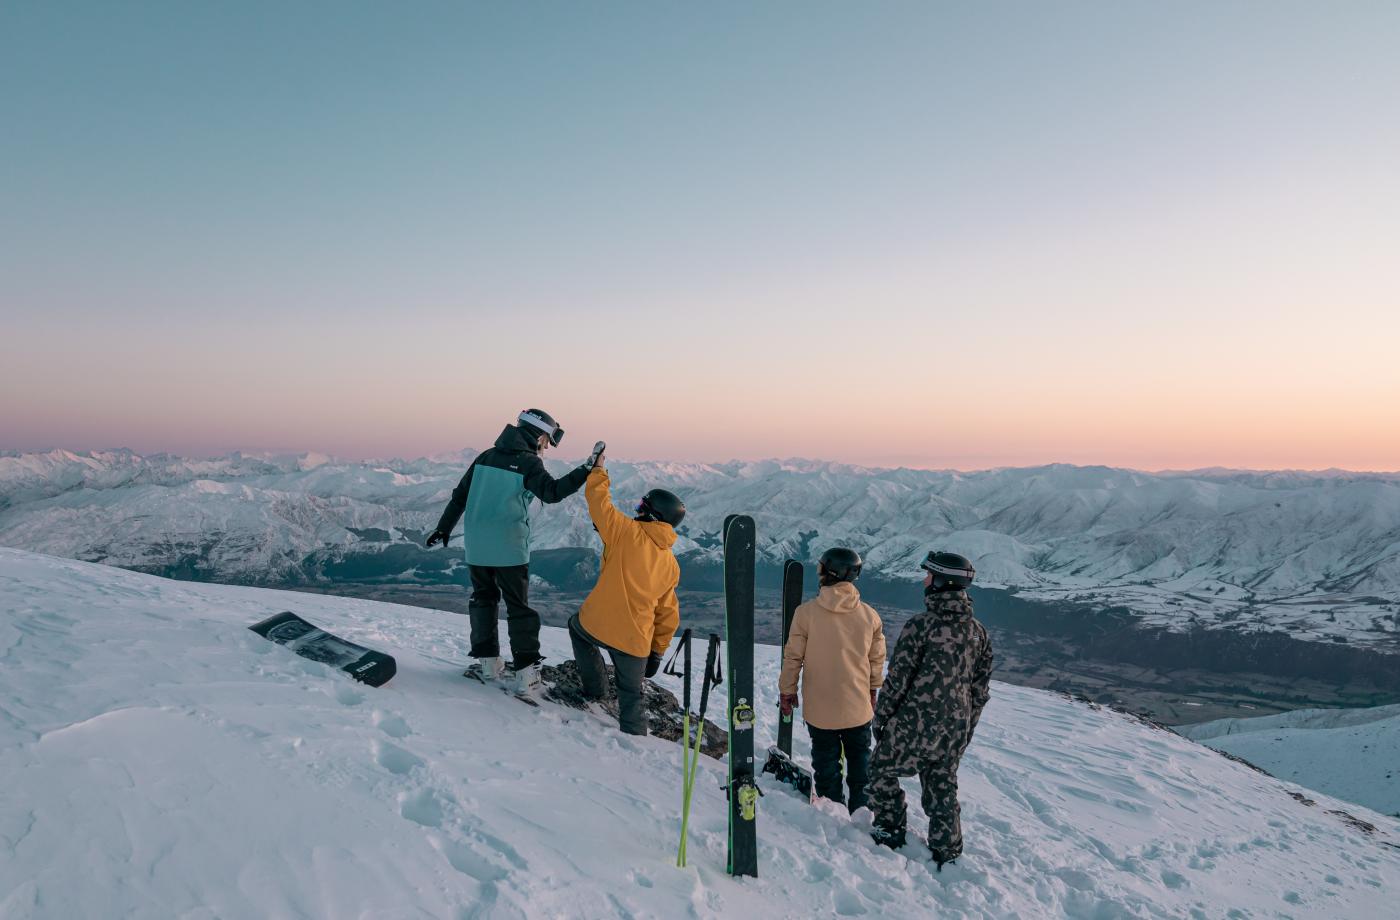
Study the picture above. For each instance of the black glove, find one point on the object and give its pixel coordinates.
(438, 536)
(653, 664)
(878, 731)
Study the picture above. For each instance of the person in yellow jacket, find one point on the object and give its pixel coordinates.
(632, 611)
(837, 645)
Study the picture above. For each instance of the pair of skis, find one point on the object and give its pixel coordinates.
(690, 754)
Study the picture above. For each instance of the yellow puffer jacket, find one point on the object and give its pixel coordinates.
(633, 607)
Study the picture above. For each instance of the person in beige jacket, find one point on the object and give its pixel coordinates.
(837, 646)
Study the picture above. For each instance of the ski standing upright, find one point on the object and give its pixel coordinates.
(739, 546)
(792, 596)
(780, 763)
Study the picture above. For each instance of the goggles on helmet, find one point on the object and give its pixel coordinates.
(555, 433)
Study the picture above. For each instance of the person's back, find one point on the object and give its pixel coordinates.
(493, 500)
(836, 645)
(632, 611)
(938, 682)
(632, 606)
(496, 518)
(840, 654)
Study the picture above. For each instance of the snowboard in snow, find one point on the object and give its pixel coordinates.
(739, 546)
(308, 641)
(786, 770)
(792, 597)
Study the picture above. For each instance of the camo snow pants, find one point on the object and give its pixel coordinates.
(939, 779)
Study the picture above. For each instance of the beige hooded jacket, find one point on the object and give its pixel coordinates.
(838, 647)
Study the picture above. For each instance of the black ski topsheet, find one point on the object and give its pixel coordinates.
(308, 641)
(739, 545)
(792, 596)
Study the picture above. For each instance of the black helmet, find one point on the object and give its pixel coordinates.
(839, 564)
(950, 571)
(538, 422)
(660, 505)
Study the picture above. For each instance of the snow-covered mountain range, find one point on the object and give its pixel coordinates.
(1316, 554)
(160, 760)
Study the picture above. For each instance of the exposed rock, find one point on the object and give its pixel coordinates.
(664, 715)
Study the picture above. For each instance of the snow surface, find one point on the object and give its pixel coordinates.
(1353, 754)
(160, 760)
(1315, 554)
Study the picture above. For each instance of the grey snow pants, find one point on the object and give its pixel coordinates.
(628, 673)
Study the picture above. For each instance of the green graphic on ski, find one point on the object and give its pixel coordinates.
(739, 546)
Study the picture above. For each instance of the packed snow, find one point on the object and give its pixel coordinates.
(1353, 754)
(161, 760)
(1315, 554)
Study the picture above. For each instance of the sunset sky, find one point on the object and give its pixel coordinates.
(1157, 235)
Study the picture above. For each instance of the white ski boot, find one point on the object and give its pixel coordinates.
(486, 670)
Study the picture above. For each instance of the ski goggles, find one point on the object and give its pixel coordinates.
(556, 434)
(935, 568)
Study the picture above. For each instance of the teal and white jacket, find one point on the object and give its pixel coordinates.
(495, 495)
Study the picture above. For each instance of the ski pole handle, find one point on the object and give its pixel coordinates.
(598, 451)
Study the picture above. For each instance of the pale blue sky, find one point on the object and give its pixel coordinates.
(383, 228)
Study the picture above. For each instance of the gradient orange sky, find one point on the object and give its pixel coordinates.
(1137, 236)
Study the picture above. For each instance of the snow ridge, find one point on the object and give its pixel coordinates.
(161, 760)
(1353, 754)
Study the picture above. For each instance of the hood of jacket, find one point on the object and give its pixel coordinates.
(842, 597)
(660, 533)
(948, 603)
(516, 438)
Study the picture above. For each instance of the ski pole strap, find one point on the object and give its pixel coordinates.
(711, 678)
(670, 666)
(687, 672)
(714, 668)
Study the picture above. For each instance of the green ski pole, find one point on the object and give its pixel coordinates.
(684, 648)
(691, 761)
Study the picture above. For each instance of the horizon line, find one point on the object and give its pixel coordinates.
(333, 458)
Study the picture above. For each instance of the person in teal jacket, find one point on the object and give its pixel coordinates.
(493, 500)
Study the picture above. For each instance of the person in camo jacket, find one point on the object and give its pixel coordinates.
(937, 684)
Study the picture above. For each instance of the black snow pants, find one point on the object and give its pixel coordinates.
(827, 747)
(489, 585)
(628, 674)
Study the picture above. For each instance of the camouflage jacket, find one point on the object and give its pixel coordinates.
(937, 683)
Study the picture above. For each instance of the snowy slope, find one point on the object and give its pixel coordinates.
(1353, 754)
(160, 760)
(1316, 554)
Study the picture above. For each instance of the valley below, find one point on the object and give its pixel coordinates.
(1107, 656)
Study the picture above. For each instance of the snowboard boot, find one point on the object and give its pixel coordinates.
(529, 678)
(892, 837)
(940, 863)
(486, 670)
